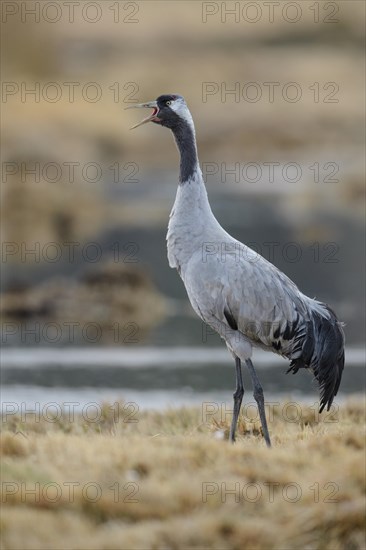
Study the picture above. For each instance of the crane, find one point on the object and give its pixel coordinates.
(243, 297)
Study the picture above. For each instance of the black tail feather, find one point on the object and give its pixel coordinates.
(323, 354)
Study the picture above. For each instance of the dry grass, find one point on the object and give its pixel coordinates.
(191, 488)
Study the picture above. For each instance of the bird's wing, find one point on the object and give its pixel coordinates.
(263, 303)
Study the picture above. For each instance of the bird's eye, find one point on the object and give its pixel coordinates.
(168, 102)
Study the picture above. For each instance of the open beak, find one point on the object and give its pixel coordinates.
(149, 105)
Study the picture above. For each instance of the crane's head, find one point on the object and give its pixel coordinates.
(169, 110)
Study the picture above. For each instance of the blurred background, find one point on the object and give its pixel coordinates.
(90, 308)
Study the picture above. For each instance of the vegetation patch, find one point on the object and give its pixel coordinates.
(172, 480)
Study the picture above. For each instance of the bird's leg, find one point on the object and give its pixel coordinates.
(238, 398)
(258, 396)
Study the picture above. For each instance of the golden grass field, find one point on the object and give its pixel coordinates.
(171, 480)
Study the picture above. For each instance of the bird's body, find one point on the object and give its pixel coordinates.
(242, 296)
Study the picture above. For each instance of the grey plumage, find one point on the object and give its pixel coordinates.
(242, 296)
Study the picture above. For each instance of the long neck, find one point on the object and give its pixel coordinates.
(186, 143)
(191, 220)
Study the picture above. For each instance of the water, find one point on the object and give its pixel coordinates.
(153, 378)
